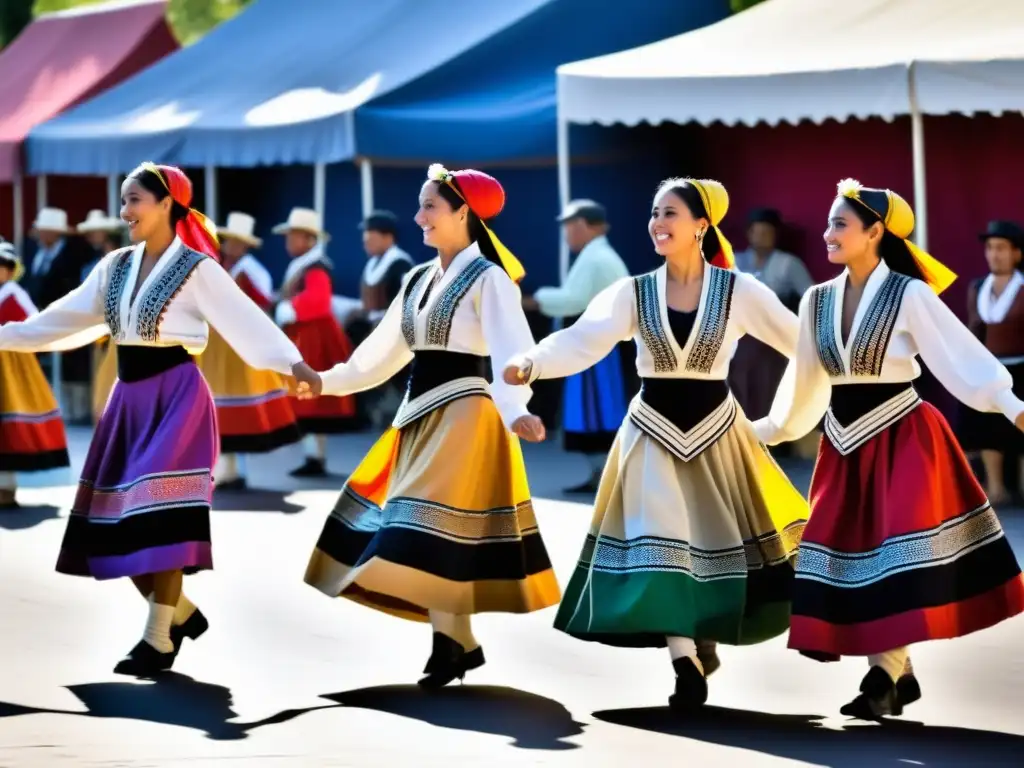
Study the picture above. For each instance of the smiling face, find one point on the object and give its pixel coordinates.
(846, 238)
(442, 226)
(144, 214)
(673, 228)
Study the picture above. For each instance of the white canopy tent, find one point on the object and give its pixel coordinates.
(795, 60)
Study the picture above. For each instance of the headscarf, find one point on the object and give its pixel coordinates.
(897, 217)
(716, 203)
(485, 197)
(8, 254)
(195, 230)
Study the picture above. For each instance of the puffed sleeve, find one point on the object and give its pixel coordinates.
(74, 320)
(954, 355)
(804, 392)
(381, 355)
(608, 320)
(508, 334)
(244, 326)
(765, 317)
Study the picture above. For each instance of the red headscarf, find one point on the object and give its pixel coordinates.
(485, 197)
(195, 230)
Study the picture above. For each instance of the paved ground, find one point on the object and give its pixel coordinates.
(286, 677)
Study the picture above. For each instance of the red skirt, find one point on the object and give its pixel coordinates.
(323, 345)
(901, 546)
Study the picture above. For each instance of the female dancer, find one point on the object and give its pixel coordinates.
(902, 545)
(436, 523)
(694, 524)
(32, 437)
(143, 504)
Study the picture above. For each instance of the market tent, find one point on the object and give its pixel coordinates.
(796, 60)
(67, 57)
(308, 82)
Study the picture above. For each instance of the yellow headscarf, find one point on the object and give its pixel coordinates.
(716, 202)
(898, 218)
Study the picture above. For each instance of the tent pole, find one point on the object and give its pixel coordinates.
(563, 190)
(366, 177)
(40, 193)
(320, 191)
(113, 196)
(917, 147)
(210, 192)
(17, 195)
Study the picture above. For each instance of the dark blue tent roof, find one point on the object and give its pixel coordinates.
(304, 81)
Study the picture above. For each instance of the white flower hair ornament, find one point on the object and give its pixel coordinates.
(437, 172)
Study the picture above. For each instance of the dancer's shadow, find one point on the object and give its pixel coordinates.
(803, 737)
(254, 500)
(531, 721)
(171, 699)
(26, 516)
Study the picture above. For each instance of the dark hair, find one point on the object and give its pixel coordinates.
(150, 182)
(892, 250)
(688, 193)
(477, 233)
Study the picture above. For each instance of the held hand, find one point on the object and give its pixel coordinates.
(310, 384)
(530, 428)
(518, 375)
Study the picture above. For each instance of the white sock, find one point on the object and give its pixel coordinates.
(183, 610)
(893, 662)
(8, 481)
(315, 446)
(684, 647)
(158, 628)
(227, 468)
(456, 626)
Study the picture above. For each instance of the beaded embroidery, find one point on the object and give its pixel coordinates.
(119, 271)
(409, 304)
(160, 294)
(713, 322)
(439, 322)
(645, 291)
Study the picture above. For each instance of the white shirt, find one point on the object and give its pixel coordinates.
(181, 297)
(923, 325)
(746, 305)
(596, 267)
(258, 275)
(489, 320)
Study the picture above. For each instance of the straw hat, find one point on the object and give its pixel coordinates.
(51, 220)
(240, 226)
(303, 220)
(97, 221)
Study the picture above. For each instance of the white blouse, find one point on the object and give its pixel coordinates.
(731, 305)
(487, 319)
(897, 319)
(184, 292)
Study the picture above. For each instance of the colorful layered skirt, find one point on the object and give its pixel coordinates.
(143, 501)
(902, 546)
(32, 436)
(323, 345)
(438, 516)
(254, 410)
(699, 546)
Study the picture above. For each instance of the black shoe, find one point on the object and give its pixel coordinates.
(908, 690)
(238, 484)
(878, 697)
(691, 687)
(144, 661)
(312, 468)
(449, 661)
(707, 654)
(194, 626)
